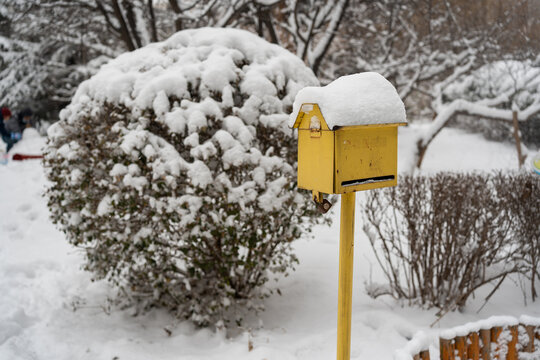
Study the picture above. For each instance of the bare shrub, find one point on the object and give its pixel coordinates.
(439, 238)
(520, 195)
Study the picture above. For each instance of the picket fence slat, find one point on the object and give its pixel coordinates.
(530, 332)
(447, 349)
(486, 344)
(473, 348)
(495, 332)
(512, 351)
(461, 347)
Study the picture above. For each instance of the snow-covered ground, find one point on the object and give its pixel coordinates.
(49, 308)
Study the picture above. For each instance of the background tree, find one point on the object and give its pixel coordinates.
(305, 27)
(493, 92)
(47, 51)
(50, 46)
(425, 46)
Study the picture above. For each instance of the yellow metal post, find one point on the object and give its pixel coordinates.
(346, 254)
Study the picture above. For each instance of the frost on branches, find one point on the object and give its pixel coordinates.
(174, 169)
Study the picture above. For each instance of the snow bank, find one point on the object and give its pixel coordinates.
(358, 99)
(31, 143)
(420, 342)
(41, 279)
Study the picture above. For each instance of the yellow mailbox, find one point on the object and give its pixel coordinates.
(347, 142)
(347, 134)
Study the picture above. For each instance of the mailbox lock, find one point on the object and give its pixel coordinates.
(323, 205)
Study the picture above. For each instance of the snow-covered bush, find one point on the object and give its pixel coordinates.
(174, 169)
(439, 238)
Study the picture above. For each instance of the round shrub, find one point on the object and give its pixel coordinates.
(173, 168)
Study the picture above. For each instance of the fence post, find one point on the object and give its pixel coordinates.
(495, 332)
(461, 347)
(512, 351)
(424, 355)
(485, 334)
(530, 332)
(473, 348)
(447, 349)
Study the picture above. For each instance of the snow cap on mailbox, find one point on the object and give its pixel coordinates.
(347, 134)
(357, 99)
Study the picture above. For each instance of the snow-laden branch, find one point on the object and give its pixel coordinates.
(480, 109)
(316, 55)
(233, 11)
(197, 14)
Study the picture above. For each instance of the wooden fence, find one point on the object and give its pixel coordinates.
(487, 341)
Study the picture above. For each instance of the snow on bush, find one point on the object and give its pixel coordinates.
(174, 169)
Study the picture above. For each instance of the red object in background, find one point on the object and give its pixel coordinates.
(21, 157)
(6, 112)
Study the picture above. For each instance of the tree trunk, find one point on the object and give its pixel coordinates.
(177, 10)
(517, 138)
(318, 60)
(132, 23)
(152, 21)
(124, 30)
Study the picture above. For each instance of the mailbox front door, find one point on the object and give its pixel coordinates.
(365, 158)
